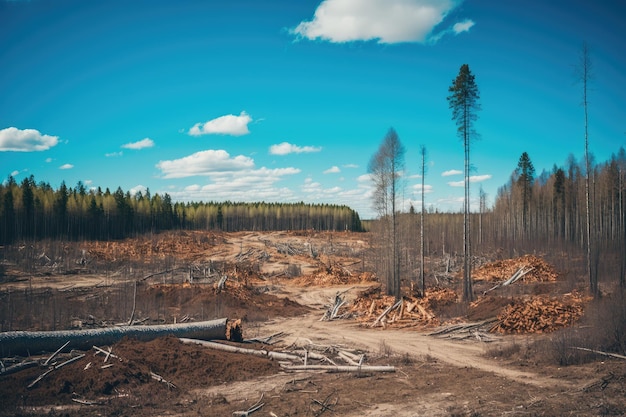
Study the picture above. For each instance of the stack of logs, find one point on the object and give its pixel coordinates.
(540, 314)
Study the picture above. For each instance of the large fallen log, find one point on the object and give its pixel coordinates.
(25, 342)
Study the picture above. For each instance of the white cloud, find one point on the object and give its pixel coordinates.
(365, 178)
(286, 148)
(464, 26)
(332, 170)
(66, 166)
(473, 178)
(137, 189)
(451, 172)
(223, 125)
(48, 160)
(26, 140)
(387, 21)
(350, 166)
(207, 162)
(144, 143)
(113, 154)
(245, 185)
(480, 178)
(15, 173)
(427, 188)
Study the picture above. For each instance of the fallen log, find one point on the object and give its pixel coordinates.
(344, 368)
(234, 349)
(26, 342)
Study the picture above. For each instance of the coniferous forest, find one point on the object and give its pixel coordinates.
(32, 211)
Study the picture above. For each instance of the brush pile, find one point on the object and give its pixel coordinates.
(504, 269)
(374, 309)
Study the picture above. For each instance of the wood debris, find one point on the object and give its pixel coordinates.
(375, 309)
(502, 270)
(540, 314)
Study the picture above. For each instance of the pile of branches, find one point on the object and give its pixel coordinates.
(539, 314)
(539, 270)
(376, 310)
(334, 273)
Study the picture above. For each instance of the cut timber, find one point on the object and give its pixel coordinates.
(23, 342)
(234, 349)
(333, 369)
(599, 352)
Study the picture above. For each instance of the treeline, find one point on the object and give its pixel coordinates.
(544, 213)
(552, 207)
(31, 210)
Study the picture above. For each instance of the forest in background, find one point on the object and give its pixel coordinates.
(544, 212)
(33, 211)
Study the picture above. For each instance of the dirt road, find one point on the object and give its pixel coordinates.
(405, 341)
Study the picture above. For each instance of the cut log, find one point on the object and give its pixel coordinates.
(333, 369)
(234, 349)
(24, 342)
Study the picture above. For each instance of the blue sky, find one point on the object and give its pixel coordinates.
(287, 100)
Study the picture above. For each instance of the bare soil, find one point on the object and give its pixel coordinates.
(434, 376)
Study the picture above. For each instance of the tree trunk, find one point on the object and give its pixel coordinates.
(24, 342)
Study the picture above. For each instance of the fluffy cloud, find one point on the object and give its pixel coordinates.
(137, 189)
(332, 170)
(473, 178)
(209, 162)
(245, 185)
(223, 125)
(464, 26)
(66, 166)
(144, 143)
(388, 21)
(451, 172)
(26, 140)
(427, 188)
(286, 148)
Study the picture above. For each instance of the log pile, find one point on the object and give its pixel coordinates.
(540, 314)
(375, 310)
(504, 269)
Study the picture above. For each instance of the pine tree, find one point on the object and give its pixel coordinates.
(463, 101)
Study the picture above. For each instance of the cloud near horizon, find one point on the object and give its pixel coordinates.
(472, 179)
(203, 163)
(386, 21)
(142, 144)
(25, 140)
(451, 172)
(332, 170)
(224, 125)
(66, 166)
(286, 148)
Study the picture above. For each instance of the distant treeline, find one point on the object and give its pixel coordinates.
(31, 210)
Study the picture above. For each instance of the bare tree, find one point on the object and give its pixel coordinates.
(385, 168)
(423, 166)
(463, 101)
(583, 72)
